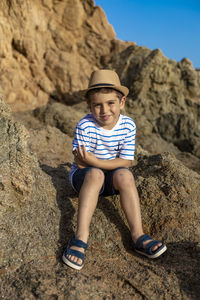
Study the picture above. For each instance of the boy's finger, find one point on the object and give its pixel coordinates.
(84, 150)
(80, 151)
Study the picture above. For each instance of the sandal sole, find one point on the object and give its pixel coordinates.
(159, 253)
(70, 264)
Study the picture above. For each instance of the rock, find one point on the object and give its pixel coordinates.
(169, 207)
(169, 198)
(189, 77)
(50, 48)
(181, 129)
(58, 145)
(28, 198)
(60, 116)
(189, 160)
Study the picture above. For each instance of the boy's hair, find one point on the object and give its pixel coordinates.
(103, 90)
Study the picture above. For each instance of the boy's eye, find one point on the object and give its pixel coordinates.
(111, 102)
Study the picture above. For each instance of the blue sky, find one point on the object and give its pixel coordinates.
(170, 25)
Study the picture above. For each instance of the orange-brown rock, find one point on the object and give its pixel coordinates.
(49, 48)
(39, 212)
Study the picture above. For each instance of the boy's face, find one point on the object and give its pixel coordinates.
(106, 108)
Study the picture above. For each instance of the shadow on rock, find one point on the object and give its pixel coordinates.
(113, 216)
(60, 181)
(183, 259)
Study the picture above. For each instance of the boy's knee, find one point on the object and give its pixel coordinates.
(95, 174)
(123, 177)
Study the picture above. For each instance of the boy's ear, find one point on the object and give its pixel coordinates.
(122, 103)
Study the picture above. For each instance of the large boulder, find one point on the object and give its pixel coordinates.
(29, 214)
(50, 48)
(35, 233)
(63, 117)
(169, 194)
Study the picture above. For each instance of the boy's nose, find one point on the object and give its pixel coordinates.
(104, 109)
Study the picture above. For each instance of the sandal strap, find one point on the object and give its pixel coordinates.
(75, 253)
(148, 247)
(141, 239)
(78, 243)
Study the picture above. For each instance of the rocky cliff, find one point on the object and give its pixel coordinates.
(48, 49)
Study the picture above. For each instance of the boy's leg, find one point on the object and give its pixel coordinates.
(88, 198)
(124, 182)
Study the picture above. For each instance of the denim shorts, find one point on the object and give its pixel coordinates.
(107, 187)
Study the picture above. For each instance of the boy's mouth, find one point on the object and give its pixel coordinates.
(105, 117)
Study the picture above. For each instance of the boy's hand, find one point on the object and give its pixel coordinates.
(78, 162)
(83, 158)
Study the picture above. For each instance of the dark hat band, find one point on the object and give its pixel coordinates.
(100, 84)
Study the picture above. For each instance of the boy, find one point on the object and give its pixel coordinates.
(103, 149)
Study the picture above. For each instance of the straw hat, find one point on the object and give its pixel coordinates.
(105, 78)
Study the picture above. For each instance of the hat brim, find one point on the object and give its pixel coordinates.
(123, 89)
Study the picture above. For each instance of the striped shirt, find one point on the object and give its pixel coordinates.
(103, 143)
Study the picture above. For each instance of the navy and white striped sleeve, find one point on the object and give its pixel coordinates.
(81, 137)
(127, 150)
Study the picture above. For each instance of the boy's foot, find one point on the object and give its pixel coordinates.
(75, 258)
(74, 254)
(145, 245)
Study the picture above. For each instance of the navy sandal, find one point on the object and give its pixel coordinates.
(147, 249)
(79, 254)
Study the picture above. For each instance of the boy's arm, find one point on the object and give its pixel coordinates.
(82, 157)
(112, 164)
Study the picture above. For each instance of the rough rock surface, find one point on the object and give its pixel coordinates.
(35, 233)
(49, 48)
(60, 116)
(24, 190)
(180, 198)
